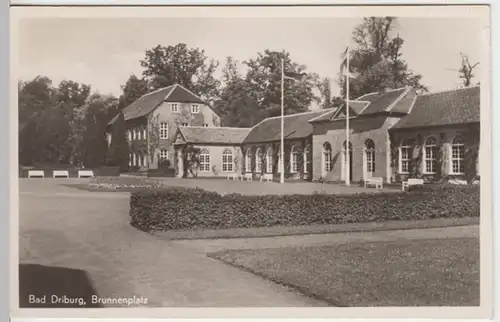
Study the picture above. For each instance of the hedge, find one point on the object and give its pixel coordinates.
(161, 172)
(195, 208)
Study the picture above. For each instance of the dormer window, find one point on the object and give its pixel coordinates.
(195, 109)
(174, 107)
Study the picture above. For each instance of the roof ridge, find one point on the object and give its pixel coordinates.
(219, 127)
(397, 89)
(449, 90)
(319, 116)
(301, 113)
(366, 95)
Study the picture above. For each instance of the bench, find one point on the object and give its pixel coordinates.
(374, 181)
(234, 177)
(85, 174)
(60, 174)
(248, 177)
(268, 177)
(412, 182)
(36, 174)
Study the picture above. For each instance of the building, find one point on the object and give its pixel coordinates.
(394, 134)
(153, 119)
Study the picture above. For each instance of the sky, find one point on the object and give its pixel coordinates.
(103, 52)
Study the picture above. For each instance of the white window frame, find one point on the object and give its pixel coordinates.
(430, 158)
(164, 155)
(405, 144)
(174, 107)
(144, 134)
(269, 160)
(327, 158)
(454, 158)
(369, 157)
(258, 161)
(227, 161)
(129, 134)
(248, 160)
(307, 159)
(205, 160)
(294, 162)
(163, 130)
(195, 108)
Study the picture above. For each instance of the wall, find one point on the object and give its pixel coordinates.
(165, 114)
(444, 136)
(361, 129)
(216, 152)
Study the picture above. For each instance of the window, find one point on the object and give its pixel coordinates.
(163, 130)
(205, 160)
(430, 151)
(195, 108)
(457, 155)
(130, 159)
(163, 155)
(327, 157)
(248, 160)
(307, 158)
(205, 124)
(404, 156)
(370, 156)
(144, 134)
(227, 161)
(269, 161)
(174, 107)
(258, 161)
(184, 124)
(134, 134)
(129, 134)
(294, 160)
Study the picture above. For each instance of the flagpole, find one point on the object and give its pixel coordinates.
(347, 150)
(282, 172)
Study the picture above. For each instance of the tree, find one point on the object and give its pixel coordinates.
(466, 70)
(179, 64)
(133, 89)
(376, 62)
(118, 154)
(264, 77)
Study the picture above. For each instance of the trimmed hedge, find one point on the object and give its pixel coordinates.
(196, 208)
(161, 172)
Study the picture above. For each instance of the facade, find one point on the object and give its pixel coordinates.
(152, 122)
(394, 134)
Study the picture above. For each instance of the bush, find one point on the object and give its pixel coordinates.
(196, 208)
(161, 172)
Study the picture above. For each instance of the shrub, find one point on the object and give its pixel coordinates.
(195, 208)
(161, 172)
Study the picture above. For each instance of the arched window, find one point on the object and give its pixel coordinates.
(307, 158)
(294, 160)
(269, 160)
(370, 156)
(258, 161)
(248, 160)
(457, 155)
(205, 160)
(430, 151)
(327, 157)
(404, 156)
(227, 161)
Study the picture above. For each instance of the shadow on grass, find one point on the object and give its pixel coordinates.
(54, 287)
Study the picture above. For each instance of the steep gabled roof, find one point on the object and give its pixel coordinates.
(213, 135)
(150, 101)
(296, 126)
(457, 106)
(397, 100)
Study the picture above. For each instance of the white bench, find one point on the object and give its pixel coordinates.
(234, 177)
(378, 182)
(412, 182)
(268, 177)
(85, 174)
(36, 174)
(60, 173)
(248, 177)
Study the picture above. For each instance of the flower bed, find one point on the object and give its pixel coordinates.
(123, 183)
(196, 208)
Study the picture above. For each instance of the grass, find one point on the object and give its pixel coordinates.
(442, 272)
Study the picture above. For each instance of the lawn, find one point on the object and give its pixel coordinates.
(442, 272)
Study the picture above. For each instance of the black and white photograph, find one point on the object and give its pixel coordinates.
(252, 157)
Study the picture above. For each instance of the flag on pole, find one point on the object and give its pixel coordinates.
(344, 65)
(294, 76)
